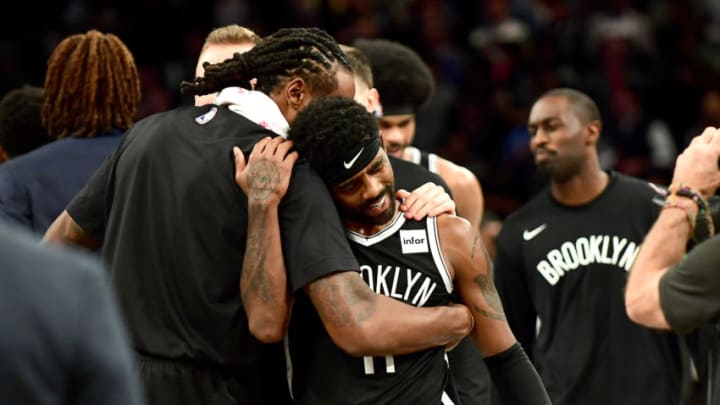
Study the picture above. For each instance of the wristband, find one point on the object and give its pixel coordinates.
(682, 190)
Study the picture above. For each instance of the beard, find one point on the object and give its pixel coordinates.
(360, 214)
(559, 170)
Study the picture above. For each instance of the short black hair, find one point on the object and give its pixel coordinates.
(21, 128)
(330, 129)
(582, 104)
(401, 77)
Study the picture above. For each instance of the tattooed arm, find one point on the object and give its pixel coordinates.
(65, 230)
(515, 379)
(467, 258)
(363, 323)
(263, 282)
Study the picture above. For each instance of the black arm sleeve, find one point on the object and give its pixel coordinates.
(515, 379)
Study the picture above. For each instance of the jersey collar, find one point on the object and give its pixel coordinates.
(255, 106)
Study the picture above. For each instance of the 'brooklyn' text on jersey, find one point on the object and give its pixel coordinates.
(607, 249)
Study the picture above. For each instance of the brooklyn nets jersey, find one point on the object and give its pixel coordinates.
(402, 261)
(561, 273)
(469, 373)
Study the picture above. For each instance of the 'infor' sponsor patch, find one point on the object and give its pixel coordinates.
(414, 241)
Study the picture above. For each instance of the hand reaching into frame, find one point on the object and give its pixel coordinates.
(697, 166)
(428, 200)
(266, 174)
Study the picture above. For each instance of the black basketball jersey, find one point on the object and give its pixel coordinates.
(425, 159)
(410, 176)
(469, 373)
(403, 261)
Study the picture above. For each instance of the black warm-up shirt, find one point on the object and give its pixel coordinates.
(174, 225)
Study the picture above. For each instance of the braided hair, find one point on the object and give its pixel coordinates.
(310, 53)
(91, 86)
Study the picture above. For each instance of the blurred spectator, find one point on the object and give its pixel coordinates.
(92, 91)
(21, 127)
(708, 116)
(65, 342)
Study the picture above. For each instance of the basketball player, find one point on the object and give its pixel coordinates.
(417, 262)
(174, 229)
(469, 373)
(562, 261)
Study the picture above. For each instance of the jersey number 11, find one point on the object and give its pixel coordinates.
(369, 364)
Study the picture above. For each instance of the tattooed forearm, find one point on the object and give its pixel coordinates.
(253, 278)
(491, 296)
(341, 300)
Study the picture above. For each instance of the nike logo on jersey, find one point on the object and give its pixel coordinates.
(352, 162)
(529, 234)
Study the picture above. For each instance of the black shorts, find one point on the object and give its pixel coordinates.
(169, 382)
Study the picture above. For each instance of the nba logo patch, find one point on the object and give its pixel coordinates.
(205, 118)
(413, 241)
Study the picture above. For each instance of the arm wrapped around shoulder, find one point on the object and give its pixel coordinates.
(515, 379)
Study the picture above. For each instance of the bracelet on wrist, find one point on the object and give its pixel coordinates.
(682, 190)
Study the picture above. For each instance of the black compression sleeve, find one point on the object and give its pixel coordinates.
(515, 379)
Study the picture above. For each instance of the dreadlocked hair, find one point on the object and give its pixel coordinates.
(91, 86)
(328, 127)
(309, 53)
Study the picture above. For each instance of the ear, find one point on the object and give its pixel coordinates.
(373, 102)
(296, 92)
(592, 132)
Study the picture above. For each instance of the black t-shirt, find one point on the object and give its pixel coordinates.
(563, 270)
(410, 176)
(175, 223)
(690, 300)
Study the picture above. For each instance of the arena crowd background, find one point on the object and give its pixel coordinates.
(652, 65)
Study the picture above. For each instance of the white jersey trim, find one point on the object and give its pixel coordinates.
(436, 251)
(433, 162)
(414, 154)
(379, 236)
(288, 365)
